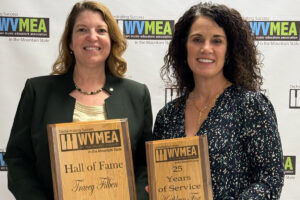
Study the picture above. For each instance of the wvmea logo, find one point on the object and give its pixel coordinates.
(24, 27)
(147, 29)
(275, 30)
(176, 153)
(90, 140)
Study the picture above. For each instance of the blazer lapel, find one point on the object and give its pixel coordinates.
(113, 104)
(61, 103)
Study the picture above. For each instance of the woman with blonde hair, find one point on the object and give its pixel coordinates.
(87, 83)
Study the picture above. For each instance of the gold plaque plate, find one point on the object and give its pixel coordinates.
(91, 160)
(179, 169)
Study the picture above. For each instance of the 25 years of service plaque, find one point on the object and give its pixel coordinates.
(91, 160)
(179, 169)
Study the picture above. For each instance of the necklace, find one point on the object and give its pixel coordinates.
(87, 93)
(210, 103)
(201, 110)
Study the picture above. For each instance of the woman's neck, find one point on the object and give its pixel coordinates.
(207, 89)
(89, 78)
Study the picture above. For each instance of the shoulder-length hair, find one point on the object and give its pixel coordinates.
(114, 63)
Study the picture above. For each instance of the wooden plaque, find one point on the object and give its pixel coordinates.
(179, 169)
(91, 160)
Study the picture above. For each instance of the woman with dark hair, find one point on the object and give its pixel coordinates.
(213, 60)
(87, 83)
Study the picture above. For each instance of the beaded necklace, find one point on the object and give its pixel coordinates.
(87, 93)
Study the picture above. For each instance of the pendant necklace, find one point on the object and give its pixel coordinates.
(210, 103)
(201, 110)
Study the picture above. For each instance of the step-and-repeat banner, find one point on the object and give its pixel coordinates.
(30, 32)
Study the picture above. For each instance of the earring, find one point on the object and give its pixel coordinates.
(71, 52)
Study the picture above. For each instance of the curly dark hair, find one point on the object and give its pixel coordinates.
(243, 61)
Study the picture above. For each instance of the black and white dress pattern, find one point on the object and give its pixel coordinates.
(244, 144)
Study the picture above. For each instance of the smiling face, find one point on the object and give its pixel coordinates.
(91, 43)
(206, 48)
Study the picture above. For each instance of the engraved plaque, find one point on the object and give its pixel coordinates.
(91, 160)
(179, 169)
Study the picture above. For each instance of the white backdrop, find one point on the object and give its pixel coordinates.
(25, 57)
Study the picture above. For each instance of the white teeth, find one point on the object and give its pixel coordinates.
(92, 48)
(205, 60)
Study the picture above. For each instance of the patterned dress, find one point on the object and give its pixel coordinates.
(244, 145)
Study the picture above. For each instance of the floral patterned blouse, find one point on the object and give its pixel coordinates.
(245, 150)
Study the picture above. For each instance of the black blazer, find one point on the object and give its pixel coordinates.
(46, 100)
